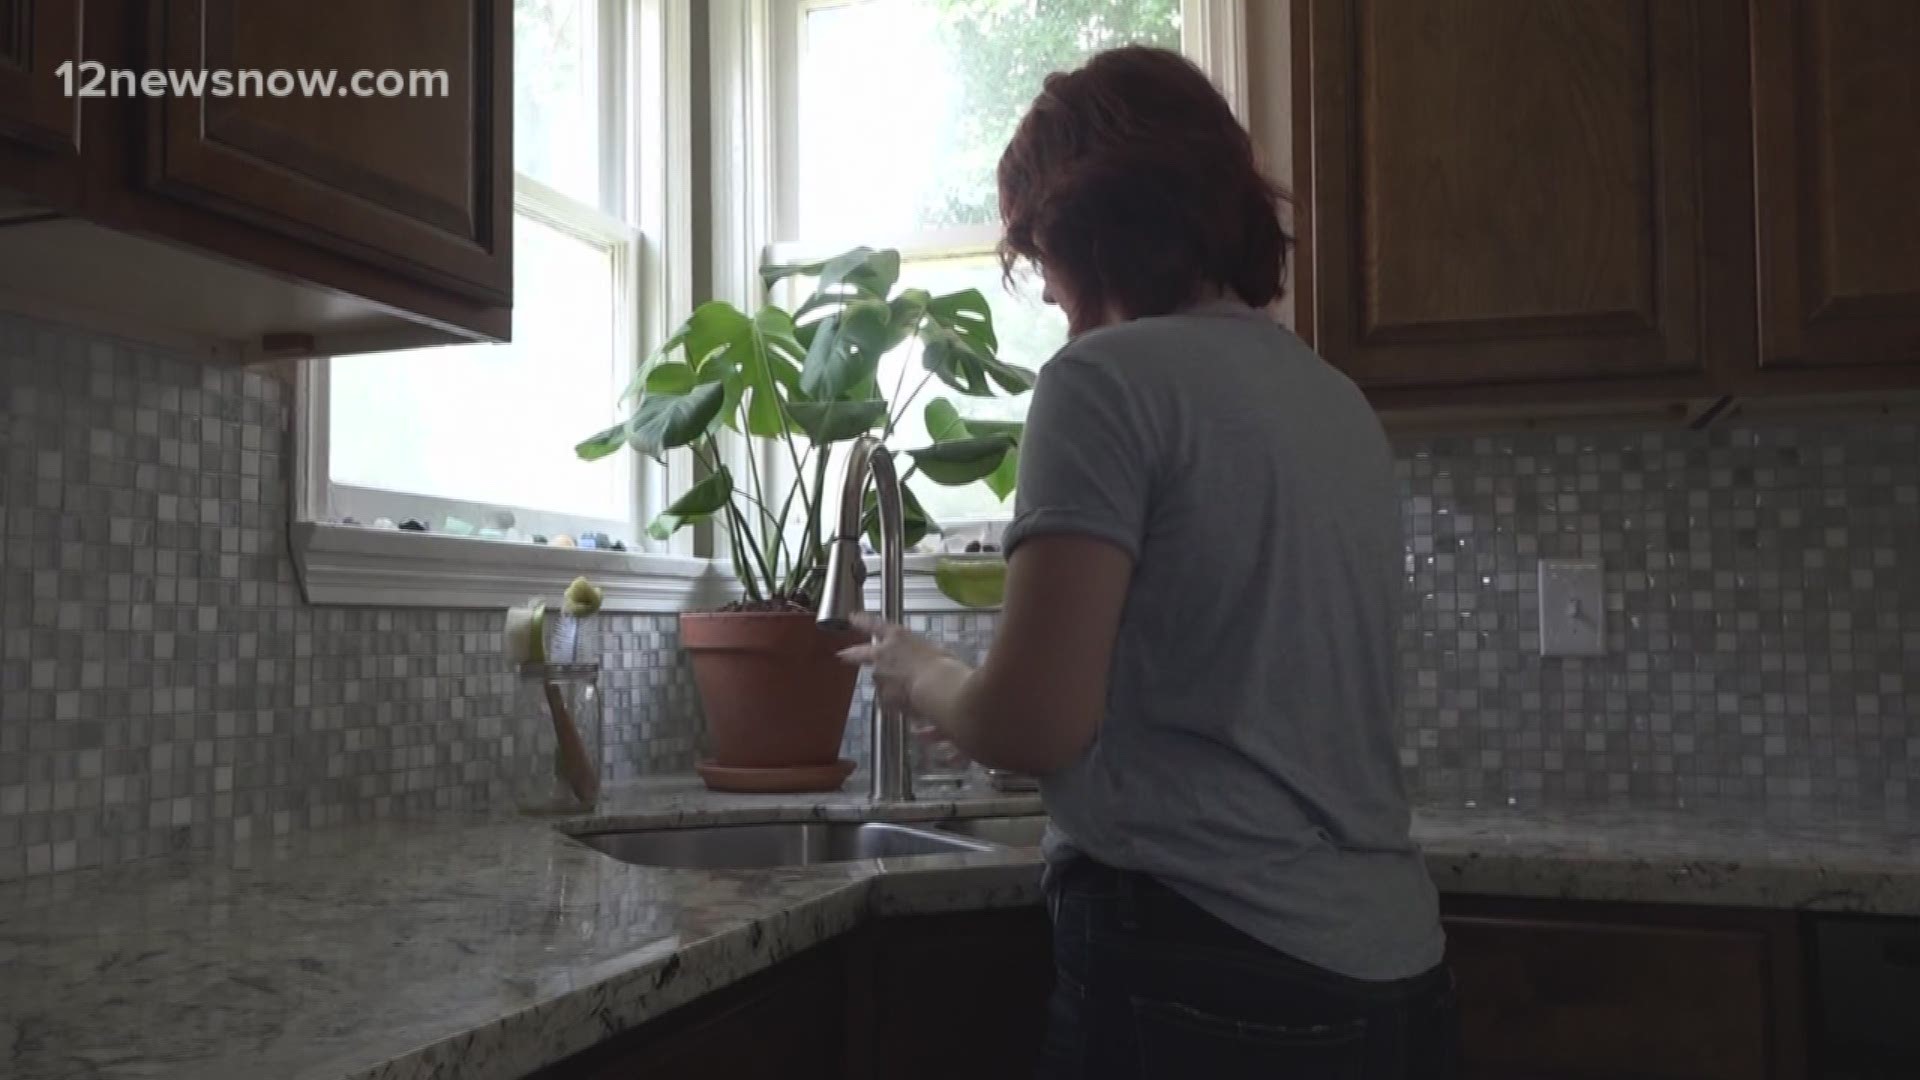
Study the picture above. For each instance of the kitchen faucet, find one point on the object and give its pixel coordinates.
(843, 596)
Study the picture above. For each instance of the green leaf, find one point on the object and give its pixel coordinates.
(961, 461)
(673, 378)
(907, 312)
(960, 347)
(698, 503)
(943, 421)
(713, 327)
(601, 443)
(832, 421)
(1012, 378)
(967, 313)
(767, 349)
(846, 350)
(726, 375)
(1012, 429)
(638, 384)
(667, 421)
(865, 270)
(945, 425)
(914, 522)
(1004, 479)
(952, 360)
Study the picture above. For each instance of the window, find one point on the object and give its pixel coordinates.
(888, 120)
(479, 439)
(482, 435)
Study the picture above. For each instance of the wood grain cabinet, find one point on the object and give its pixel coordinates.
(403, 182)
(1507, 199)
(249, 219)
(1837, 149)
(1566, 991)
(39, 123)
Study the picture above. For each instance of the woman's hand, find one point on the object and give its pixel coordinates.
(909, 671)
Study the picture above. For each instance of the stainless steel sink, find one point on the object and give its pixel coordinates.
(786, 843)
(1024, 830)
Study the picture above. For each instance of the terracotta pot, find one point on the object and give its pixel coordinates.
(775, 694)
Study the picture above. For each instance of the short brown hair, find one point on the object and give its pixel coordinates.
(1130, 179)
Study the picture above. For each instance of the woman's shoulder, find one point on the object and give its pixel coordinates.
(1178, 339)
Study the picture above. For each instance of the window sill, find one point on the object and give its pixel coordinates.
(348, 565)
(353, 565)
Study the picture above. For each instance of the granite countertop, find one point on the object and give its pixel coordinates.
(488, 947)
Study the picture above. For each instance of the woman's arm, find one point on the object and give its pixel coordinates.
(1036, 701)
(1087, 463)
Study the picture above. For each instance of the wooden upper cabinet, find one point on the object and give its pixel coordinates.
(1837, 138)
(1509, 194)
(421, 185)
(39, 121)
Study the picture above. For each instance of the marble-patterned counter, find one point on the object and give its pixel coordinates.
(1728, 856)
(488, 947)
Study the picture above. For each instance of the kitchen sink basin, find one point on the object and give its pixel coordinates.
(786, 843)
(1024, 830)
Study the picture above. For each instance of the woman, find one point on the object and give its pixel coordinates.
(1196, 651)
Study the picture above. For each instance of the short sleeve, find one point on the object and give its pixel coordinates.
(1085, 464)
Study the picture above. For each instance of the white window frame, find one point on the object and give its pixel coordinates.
(648, 120)
(754, 65)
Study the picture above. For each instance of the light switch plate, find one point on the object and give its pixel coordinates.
(1573, 608)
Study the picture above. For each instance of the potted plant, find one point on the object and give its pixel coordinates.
(775, 695)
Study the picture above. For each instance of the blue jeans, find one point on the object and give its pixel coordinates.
(1148, 985)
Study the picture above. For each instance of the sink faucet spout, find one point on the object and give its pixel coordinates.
(843, 595)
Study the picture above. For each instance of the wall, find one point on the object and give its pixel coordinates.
(1763, 631)
(162, 683)
(1763, 628)
(163, 686)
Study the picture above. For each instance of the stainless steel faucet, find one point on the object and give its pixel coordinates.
(844, 595)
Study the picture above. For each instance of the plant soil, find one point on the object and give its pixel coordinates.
(778, 603)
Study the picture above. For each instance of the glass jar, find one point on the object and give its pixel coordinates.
(553, 773)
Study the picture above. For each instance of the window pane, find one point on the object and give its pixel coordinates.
(905, 105)
(556, 95)
(1030, 332)
(496, 424)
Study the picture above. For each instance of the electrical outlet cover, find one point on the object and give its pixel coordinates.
(1573, 608)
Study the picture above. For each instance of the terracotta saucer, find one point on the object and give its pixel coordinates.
(794, 778)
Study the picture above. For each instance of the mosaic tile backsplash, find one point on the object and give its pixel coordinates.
(163, 685)
(1763, 622)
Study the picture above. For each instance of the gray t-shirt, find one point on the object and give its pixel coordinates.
(1247, 759)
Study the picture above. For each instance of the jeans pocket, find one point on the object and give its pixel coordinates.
(1178, 1040)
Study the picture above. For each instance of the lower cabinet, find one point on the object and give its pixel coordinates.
(1549, 990)
(922, 997)
(1575, 991)
(958, 995)
(786, 1023)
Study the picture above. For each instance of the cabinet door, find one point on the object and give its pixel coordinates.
(417, 184)
(785, 1023)
(1510, 193)
(1837, 129)
(959, 995)
(1555, 991)
(39, 120)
